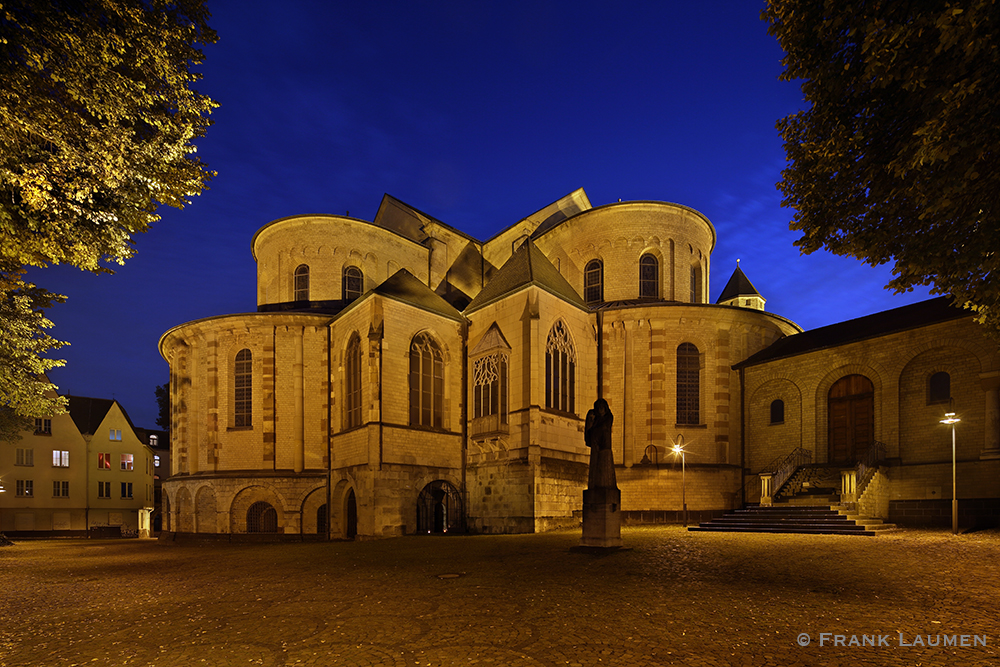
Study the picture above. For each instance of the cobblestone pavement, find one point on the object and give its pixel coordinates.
(671, 597)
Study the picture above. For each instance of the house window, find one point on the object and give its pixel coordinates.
(25, 488)
(243, 391)
(24, 457)
(60, 459)
(156, 460)
(777, 411)
(593, 281)
(426, 382)
(127, 462)
(354, 281)
(126, 489)
(352, 382)
(43, 426)
(104, 489)
(696, 283)
(939, 388)
(560, 370)
(104, 461)
(649, 277)
(115, 435)
(153, 440)
(301, 286)
(489, 377)
(688, 384)
(60, 489)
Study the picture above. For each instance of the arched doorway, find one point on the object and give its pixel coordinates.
(851, 417)
(351, 516)
(439, 508)
(262, 518)
(321, 520)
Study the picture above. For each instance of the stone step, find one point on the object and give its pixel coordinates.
(779, 529)
(793, 518)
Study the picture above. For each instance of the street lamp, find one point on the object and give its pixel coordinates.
(951, 419)
(679, 449)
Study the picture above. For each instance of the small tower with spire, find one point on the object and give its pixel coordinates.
(739, 291)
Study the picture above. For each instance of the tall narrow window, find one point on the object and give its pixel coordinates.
(426, 382)
(688, 384)
(593, 281)
(489, 376)
(301, 287)
(354, 281)
(649, 277)
(939, 388)
(560, 370)
(243, 389)
(777, 411)
(695, 283)
(352, 382)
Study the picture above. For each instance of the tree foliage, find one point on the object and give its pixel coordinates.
(163, 406)
(97, 120)
(895, 158)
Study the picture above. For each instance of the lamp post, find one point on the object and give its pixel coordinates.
(679, 449)
(951, 419)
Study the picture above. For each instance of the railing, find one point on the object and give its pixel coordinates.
(854, 482)
(775, 475)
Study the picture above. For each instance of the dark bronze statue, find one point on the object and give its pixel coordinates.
(598, 437)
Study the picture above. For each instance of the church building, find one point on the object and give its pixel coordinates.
(400, 376)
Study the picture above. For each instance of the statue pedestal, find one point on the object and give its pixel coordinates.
(602, 518)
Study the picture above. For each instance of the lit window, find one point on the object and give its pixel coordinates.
(243, 390)
(25, 488)
(60, 489)
(104, 461)
(43, 426)
(939, 388)
(560, 370)
(777, 411)
(25, 457)
(426, 382)
(156, 461)
(153, 440)
(688, 384)
(649, 277)
(116, 435)
(301, 288)
(354, 281)
(352, 381)
(60, 459)
(126, 489)
(104, 489)
(593, 282)
(126, 461)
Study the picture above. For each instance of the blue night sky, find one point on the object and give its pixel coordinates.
(477, 114)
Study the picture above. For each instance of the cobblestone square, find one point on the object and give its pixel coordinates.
(670, 597)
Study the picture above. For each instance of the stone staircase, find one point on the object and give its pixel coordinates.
(794, 518)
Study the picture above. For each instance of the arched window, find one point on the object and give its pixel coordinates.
(354, 281)
(489, 379)
(939, 388)
(560, 370)
(593, 281)
(301, 291)
(262, 518)
(688, 384)
(696, 283)
(243, 389)
(649, 277)
(352, 382)
(777, 411)
(426, 382)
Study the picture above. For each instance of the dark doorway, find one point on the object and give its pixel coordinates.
(262, 518)
(351, 516)
(851, 418)
(439, 509)
(321, 520)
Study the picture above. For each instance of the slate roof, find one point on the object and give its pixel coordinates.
(405, 287)
(738, 285)
(88, 413)
(871, 326)
(527, 266)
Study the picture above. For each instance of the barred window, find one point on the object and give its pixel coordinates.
(560, 370)
(688, 384)
(649, 277)
(593, 281)
(301, 283)
(262, 518)
(352, 382)
(243, 389)
(426, 382)
(353, 282)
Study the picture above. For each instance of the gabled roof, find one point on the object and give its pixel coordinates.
(405, 287)
(493, 339)
(738, 285)
(880, 324)
(527, 266)
(88, 413)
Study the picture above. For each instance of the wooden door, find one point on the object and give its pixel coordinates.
(851, 417)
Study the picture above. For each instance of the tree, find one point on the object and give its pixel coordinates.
(163, 406)
(97, 120)
(896, 156)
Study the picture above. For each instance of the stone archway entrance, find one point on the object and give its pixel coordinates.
(351, 515)
(439, 508)
(851, 416)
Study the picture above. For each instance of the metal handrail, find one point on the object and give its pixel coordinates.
(868, 464)
(796, 458)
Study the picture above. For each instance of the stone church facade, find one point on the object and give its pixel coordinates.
(400, 376)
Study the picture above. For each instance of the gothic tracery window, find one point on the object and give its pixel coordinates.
(489, 378)
(560, 370)
(243, 389)
(426, 382)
